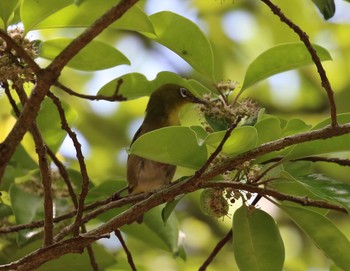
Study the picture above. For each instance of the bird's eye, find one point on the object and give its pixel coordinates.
(183, 92)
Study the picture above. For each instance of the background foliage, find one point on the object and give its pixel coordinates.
(197, 44)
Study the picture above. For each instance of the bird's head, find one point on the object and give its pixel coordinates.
(166, 102)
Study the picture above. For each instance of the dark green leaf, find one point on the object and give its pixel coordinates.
(169, 208)
(324, 233)
(184, 38)
(172, 145)
(327, 189)
(257, 243)
(95, 56)
(136, 85)
(281, 58)
(326, 7)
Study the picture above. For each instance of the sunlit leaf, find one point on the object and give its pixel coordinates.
(326, 7)
(81, 15)
(171, 145)
(324, 234)
(95, 56)
(241, 139)
(7, 8)
(184, 38)
(35, 11)
(281, 58)
(327, 188)
(257, 243)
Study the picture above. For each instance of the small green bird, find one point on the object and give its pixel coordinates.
(163, 109)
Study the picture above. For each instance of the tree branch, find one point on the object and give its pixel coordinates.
(127, 251)
(216, 250)
(305, 39)
(80, 157)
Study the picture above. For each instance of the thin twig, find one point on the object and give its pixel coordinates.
(339, 161)
(217, 150)
(113, 98)
(80, 157)
(305, 39)
(216, 250)
(45, 170)
(127, 251)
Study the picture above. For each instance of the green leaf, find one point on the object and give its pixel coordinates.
(49, 123)
(330, 145)
(35, 11)
(174, 145)
(281, 58)
(326, 7)
(154, 232)
(26, 206)
(268, 129)
(7, 8)
(289, 185)
(184, 38)
(327, 189)
(81, 15)
(169, 208)
(324, 233)
(136, 85)
(94, 56)
(241, 139)
(257, 243)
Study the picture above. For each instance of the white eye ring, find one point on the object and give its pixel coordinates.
(183, 92)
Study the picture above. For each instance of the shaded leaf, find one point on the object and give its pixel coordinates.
(25, 206)
(327, 189)
(257, 242)
(49, 123)
(268, 129)
(169, 208)
(326, 7)
(94, 56)
(324, 234)
(329, 145)
(136, 85)
(174, 145)
(154, 232)
(281, 58)
(184, 38)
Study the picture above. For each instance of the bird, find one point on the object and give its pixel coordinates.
(164, 105)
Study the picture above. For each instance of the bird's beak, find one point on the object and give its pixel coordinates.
(197, 100)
